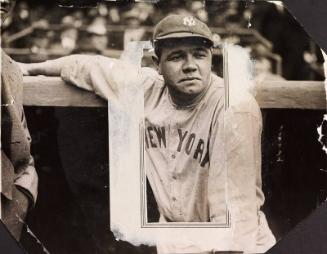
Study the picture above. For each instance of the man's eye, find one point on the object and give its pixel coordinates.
(199, 55)
(175, 58)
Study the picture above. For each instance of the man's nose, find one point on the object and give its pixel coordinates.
(189, 64)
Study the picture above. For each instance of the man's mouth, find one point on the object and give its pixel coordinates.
(189, 79)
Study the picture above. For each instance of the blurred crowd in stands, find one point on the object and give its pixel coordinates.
(279, 45)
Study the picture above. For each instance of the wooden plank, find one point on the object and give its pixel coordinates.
(52, 91)
(292, 95)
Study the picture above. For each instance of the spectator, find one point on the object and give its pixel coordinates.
(69, 35)
(133, 20)
(198, 10)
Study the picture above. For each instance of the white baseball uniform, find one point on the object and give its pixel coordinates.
(198, 159)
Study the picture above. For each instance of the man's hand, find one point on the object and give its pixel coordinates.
(32, 69)
(24, 68)
(14, 212)
(47, 68)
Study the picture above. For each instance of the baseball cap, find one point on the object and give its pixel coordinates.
(181, 26)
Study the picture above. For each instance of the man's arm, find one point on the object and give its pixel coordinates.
(236, 158)
(15, 201)
(242, 137)
(47, 68)
(27, 180)
(107, 77)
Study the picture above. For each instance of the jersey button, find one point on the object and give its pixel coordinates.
(174, 177)
(174, 199)
(173, 156)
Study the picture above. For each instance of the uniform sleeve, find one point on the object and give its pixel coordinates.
(107, 77)
(27, 180)
(235, 170)
(243, 127)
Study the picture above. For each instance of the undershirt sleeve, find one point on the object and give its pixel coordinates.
(107, 77)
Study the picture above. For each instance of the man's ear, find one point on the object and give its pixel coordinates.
(156, 62)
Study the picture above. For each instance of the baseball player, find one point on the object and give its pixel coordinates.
(187, 141)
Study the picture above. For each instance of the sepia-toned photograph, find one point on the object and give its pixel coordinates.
(158, 126)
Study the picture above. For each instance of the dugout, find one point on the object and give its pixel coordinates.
(69, 128)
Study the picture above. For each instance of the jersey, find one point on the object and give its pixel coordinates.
(179, 144)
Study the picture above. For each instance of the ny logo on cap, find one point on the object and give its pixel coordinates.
(189, 21)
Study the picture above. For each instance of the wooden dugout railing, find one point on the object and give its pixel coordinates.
(53, 91)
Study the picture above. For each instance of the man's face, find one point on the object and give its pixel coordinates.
(99, 42)
(6, 7)
(186, 66)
